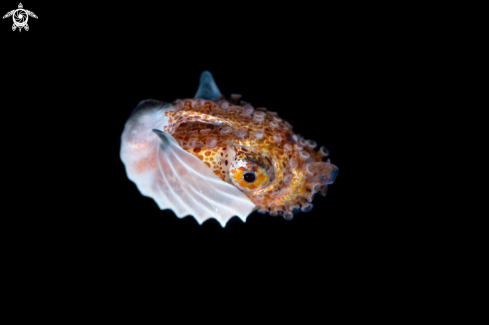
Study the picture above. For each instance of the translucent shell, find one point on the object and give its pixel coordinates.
(174, 178)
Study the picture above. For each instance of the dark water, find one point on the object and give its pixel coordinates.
(69, 87)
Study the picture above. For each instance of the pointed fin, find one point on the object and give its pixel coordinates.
(8, 14)
(30, 13)
(207, 87)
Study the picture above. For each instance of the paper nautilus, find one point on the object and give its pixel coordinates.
(209, 157)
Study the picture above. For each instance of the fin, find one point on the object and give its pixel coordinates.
(8, 14)
(30, 13)
(207, 87)
(13, 27)
(26, 27)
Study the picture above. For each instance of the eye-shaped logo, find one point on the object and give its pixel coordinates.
(20, 17)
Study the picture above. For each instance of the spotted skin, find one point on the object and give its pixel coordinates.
(234, 140)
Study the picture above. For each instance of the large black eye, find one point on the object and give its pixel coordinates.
(249, 177)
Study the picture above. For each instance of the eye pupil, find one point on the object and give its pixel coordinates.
(249, 177)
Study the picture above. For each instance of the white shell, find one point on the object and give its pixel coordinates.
(171, 176)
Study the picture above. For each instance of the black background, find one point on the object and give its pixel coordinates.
(359, 80)
(71, 81)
